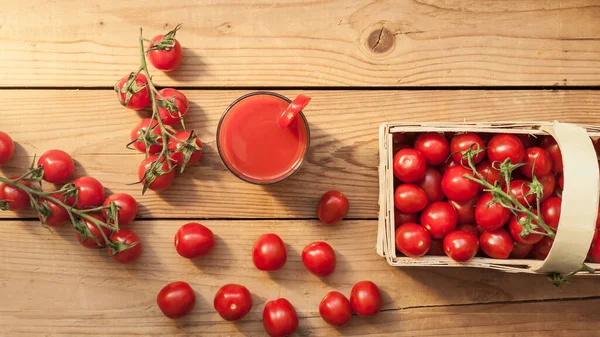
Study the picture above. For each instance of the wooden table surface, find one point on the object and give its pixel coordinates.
(364, 62)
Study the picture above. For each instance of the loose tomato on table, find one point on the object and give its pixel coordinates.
(138, 133)
(176, 299)
(179, 147)
(280, 318)
(232, 302)
(458, 188)
(439, 219)
(551, 146)
(550, 211)
(409, 198)
(98, 240)
(16, 198)
(496, 244)
(170, 99)
(269, 252)
(409, 165)
(161, 179)
(505, 146)
(58, 166)
(464, 142)
(490, 215)
(431, 184)
(461, 245)
(7, 148)
(125, 246)
(333, 207)
(165, 52)
(433, 146)
(489, 173)
(515, 227)
(365, 298)
(402, 218)
(537, 162)
(335, 309)
(127, 207)
(465, 211)
(90, 193)
(412, 240)
(319, 258)
(132, 91)
(193, 240)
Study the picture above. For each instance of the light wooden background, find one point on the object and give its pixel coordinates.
(364, 63)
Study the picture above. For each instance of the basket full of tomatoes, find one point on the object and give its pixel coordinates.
(516, 197)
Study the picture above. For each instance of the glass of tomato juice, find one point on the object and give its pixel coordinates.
(252, 144)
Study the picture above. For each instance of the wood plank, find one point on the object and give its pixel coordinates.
(300, 43)
(91, 126)
(55, 287)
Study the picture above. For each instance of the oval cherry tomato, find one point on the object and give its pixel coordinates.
(335, 309)
(59, 216)
(138, 89)
(541, 249)
(537, 161)
(409, 165)
(127, 207)
(549, 144)
(176, 97)
(496, 244)
(193, 240)
(365, 298)
(461, 246)
(463, 142)
(7, 148)
(178, 156)
(433, 146)
(431, 184)
(446, 165)
(519, 189)
(520, 251)
(439, 219)
(119, 250)
(269, 252)
(436, 248)
(465, 211)
(505, 146)
(412, 240)
(176, 299)
(548, 185)
(319, 258)
(333, 207)
(458, 188)
(489, 173)
(490, 216)
(161, 182)
(93, 229)
(90, 193)
(58, 166)
(402, 218)
(16, 198)
(232, 302)
(551, 211)
(165, 59)
(469, 229)
(143, 127)
(409, 198)
(516, 228)
(280, 318)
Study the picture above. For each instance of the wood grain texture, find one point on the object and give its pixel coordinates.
(94, 128)
(306, 43)
(52, 286)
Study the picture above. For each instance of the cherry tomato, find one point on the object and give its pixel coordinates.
(598, 218)
(365, 298)
(16, 198)
(433, 146)
(541, 249)
(561, 181)
(436, 248)
(319, 258)
(165, 59)
(516, 228)
(127, 207)
(269, 252)
(402, 218)
(280, 318)
(465, 211)
(469, 229)
(120, 252)
(90, 193)
(176, 299)
(333, 207)
(505, 146)
(409, 198)
(232, 302)
(594, 252)
(141, 128)
(409, 165)
(138, 89)
(489, 173)
(537, 161)
(431, 184)
(7, 148)
(178, 156)
(161, 182)
(58, 166)
(520, 251)
(490, 216)
(95, 231)
(458, 188)
(181, 102)
(548, 185)
(439, 219)
(519, 189)
(461, 246)
(59, 216)
(193, 240)
(551, 211)
(549, 144)
(335, 309)
(463, 142)
(446, 165)
(412, 240)
(496, 244)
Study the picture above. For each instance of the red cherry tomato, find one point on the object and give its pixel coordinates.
(465, 211)
(436, 248)
(446, 165)
(560, 181)
(520, 251)
(232, 302)
(401, 218)
(549, 144)
(433, 146)
(469, 229)
(412, 240)
(551, 211)
(537, 161)
(516, 228)
(365, 298)
(58, 166)
(490, 216)
(431, 184)
(489, 173)
(123, 254)
(280, 318)
(409, 165)
(144, 126)
(541, 249)
(176, 299)
(598, 219)
(16, 198)
(59, 216)
(548, 185)
(439, 219)
(496, 244)
(319, 258)
(176, 97)
(7, 148)
(161, 182)
(335, 309)
(138, 89)
(95, 231)
(178, 156)
(519, 189)
(333, 207)
(594, 252)
(458, 188)
(409, 198)
(269, 252)
(193, 240)
(463, 142)
(127, 207)
(90, 193)
(165, 59)
(505, 146)
(461, 246)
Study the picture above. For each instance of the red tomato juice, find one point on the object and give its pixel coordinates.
(253, 146)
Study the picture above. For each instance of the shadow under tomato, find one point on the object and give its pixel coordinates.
(191, 68)
(218, 259)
